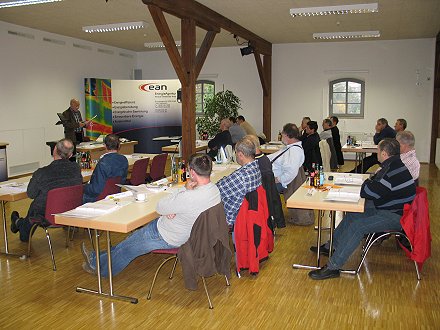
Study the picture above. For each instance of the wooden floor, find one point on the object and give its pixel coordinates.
(385, 294)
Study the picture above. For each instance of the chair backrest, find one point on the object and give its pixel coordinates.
(157, 168)
(139, 172)
(110, 187)
(325, 155)
(333, 154)
(63, 199)
(229, 152)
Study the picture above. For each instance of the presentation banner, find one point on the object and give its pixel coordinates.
(98, 93)
(145, 109)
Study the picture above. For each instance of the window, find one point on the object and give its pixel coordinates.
(347, 98)
(205, 89)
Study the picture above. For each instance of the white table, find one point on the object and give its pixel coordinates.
(300, 199)
(124, 220)
(360, 152)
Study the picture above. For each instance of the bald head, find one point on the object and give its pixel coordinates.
(74, 104)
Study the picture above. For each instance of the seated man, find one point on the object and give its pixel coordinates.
(237, 132)
(249, 129)
(337, 140)
(408, 153)
(326, 129)
(247, 178)
(382, 131)
(400, 125)
(178, 211)
(287, 161)
(111, 164)
(60, 173)
(385, 193)
(310, 144)
(222, 139)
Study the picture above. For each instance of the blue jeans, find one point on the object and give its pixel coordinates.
(142, 241)
(355, 226)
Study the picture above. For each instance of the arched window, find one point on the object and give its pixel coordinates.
(346, 99)
(204, 89)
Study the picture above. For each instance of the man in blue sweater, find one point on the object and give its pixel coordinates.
(111, 164)
(385, 195)
(382, 131)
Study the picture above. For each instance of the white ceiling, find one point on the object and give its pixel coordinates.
(271, 20)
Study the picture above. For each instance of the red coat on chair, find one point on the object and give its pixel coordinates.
(415, 222)
(253, 237)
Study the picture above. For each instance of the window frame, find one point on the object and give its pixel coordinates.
(362, 103)
(203, 82)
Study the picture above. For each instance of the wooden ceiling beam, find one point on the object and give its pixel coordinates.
(210, 20)
(203, 51)
(170, 44)
(261, 72)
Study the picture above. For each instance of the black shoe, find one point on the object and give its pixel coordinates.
(324, 273)
(14, 217)
(323, 250)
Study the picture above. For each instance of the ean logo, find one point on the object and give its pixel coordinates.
(152, 87)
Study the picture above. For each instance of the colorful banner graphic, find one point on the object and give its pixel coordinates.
(98, 93)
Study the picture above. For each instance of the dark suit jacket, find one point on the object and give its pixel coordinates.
(312, 154)
(70, 125)
(222, 139)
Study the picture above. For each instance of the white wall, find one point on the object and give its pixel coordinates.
(38, 79)
(301, 73)
(300, 76)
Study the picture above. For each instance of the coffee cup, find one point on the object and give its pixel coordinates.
(141, 197)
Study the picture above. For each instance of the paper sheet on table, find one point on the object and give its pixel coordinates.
(92, 210)
(13, 187)
(346, 194)
(348, 179)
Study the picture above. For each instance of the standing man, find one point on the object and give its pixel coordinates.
(111, 164)
(400, 125)
(337, 140)
(382, 131)
(287, 161)
(222, 139)
(73, 124)
(247, 178)
(60, 173)
(326, 129)
(178, 213)
(246, 126)
(386, 193)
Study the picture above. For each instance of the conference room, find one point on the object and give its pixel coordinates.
(285, 76)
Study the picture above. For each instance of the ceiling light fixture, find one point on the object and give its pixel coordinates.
(24, 3)
(346, 35)
(159, 44)
(115, 27)
(361, 8)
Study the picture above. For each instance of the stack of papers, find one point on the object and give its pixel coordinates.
(349, 179)
(13, 187)
(346, 194)
(92, 210)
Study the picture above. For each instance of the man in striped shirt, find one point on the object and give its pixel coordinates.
(385, 195)
(408, 153)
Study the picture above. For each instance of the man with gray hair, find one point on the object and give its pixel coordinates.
(234, 187)
(385, 193)
(408, 153)
(60, 173)
(222, 139)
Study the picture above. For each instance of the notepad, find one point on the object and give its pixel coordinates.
(348, 179)
(346, 194)
(92, 210)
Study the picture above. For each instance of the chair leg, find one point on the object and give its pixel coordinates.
(51, 249)
(31, 233)
(90, 237)
(157, 272)
(368, 245)
(415, 262)
(174, 268)
(227, 281)
(207, 294)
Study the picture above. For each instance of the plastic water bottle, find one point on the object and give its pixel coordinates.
(321, 176)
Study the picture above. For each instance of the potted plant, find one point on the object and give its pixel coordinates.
(222, 105)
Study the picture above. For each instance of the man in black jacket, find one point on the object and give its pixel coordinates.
(60, 173)
(73, 124)
(385, 195)
(222, 139)
(382, 131)
(310, 145)
(337, 140)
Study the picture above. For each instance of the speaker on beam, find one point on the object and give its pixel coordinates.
(137, 74)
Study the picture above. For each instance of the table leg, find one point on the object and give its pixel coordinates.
(332, 229)
(5, 233)
(110, 274)
(318, 242)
